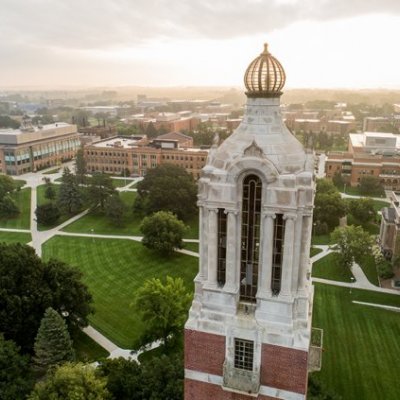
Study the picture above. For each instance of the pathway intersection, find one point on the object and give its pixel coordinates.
(33, 180)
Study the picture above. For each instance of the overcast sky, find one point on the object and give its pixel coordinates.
(320, 43)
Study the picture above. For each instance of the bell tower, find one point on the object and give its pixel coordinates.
(248, 332)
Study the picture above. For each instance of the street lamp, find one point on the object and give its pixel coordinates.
(352, 283)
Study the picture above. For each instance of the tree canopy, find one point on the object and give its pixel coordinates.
(47, 214)
(15, 377)
(167, 187)
(100, 188)
(163, 232)
(69, 196)
(362, 210)
(71, 382)
(329, 207)
(371, 186)
(164, 308)
(29, 286)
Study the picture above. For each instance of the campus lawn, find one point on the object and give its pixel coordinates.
(191, 246)
(361, 346)
(22, 220)
(378, 204)
(114, 270)
(368, 266)
(314, 251)
(52, 171)
(121, 182)
(86, 349)
(330, 268)
(14, 237)
(19, 182)
(321, 239)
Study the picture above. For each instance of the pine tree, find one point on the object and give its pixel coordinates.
(69, 195)
(52, 344)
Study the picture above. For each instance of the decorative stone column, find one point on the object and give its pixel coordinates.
(212, 246)
(231, 252)
(203, 270)
(287, 265)
(297, 252)
(267, 238)
(305, 256)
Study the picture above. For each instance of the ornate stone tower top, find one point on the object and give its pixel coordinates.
(249, 325)
(265, 76)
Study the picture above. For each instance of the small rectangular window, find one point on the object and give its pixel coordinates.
(244, 354)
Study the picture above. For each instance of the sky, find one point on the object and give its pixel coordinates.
(320, 43)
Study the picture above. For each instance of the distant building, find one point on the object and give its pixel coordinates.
(29, 148)
(137, 154)
(369, 154)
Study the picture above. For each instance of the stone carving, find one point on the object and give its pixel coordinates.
(253, 151)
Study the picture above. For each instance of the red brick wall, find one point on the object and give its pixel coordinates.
(204, 352)
(195, 390)
(284, 368)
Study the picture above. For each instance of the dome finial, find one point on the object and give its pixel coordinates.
(265, 48)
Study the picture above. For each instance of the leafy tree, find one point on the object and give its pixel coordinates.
(338, 180)
(29, 286)
(53, 344)
(151, 131)
(362, 210)
(167, 188)
(353, 243)
(7, 185)
(47, 214)
(71, 382)
(80, 166)
(8, 122)
(8, 207)
(163, 307)
(101, 187)
(115, 209)
(163, 232)
(69, 196)
(158, 378)
(15, 375)
(329, 207)
(371, 185)
(317, 391)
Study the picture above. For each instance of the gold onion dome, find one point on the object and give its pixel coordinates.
(265, 76)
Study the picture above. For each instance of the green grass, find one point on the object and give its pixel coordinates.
(193, 231)
(23, 219)
(321, 239)
(330, 268)
(368, 266)
(19, 183)
(121, 182)
(14, 237)
(86, 349)
(361, 346)
(52, 171)
(191, 246)
(355, 191)
(314, 251)
(378, 204)
(114, 270)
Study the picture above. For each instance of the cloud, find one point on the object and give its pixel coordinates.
(85, 24)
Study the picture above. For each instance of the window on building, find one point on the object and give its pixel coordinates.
(277, 255)
(221, 267)
(244, 354)
(250, 240)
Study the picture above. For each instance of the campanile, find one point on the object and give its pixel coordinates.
(248, 332)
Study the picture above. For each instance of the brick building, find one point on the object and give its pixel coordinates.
(138, 154)
(29, 148)
(249, 327)
(369, 154)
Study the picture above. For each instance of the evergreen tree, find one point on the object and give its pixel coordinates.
(80, 166)
(47, 214)
(115, 209)
(52, 344)
(69, 196)
(101, 187)
(50, 193)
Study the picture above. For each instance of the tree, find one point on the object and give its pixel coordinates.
(71, 382)
(163, 307)
(353, 243)
(163, 232)
(329, 207)
(317, 391)
(167, 188)
(338, 180)
(15, 375)
(362, 210)
(8, 207)
(157, 378)
(29, 286)
(69, 196)
(7, 185)
(47, 214)
(53, 344)
(115, 209)
(101, 187)
(50, 193)
(371, 186)
(80, 166)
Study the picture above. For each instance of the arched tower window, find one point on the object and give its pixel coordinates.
(250, 240)
(221, 267)
(277, 255)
